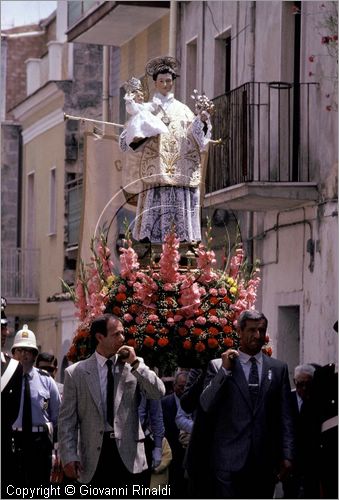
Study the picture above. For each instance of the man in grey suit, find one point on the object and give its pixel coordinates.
(248, 396)
(99, 411)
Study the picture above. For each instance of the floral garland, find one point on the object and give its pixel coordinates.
(171, 316)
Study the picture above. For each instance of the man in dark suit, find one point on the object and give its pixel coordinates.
(304, 481)
(170, 405)
(11, 379)
(249, 395)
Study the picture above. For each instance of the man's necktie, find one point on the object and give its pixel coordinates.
(253, 381)
(110, 393)
(27, 408)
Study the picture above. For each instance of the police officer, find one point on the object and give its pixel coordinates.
(11, 381)
(32, 431)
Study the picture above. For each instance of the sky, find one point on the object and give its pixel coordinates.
(19, 13)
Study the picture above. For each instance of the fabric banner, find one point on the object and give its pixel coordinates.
(104, 199)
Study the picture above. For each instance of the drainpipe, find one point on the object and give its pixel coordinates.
(105, 82)
(173, 28)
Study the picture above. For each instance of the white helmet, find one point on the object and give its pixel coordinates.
(25, 338)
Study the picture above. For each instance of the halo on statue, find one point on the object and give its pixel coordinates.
(162, 63)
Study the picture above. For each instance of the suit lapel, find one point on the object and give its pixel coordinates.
(120, 374)
(266, 378)
(93, 381)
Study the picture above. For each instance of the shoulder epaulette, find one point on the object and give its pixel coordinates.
(43, 372)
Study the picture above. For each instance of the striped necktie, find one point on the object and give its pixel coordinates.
(253, 381)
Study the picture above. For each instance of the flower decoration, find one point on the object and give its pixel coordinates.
(171, 316)
(202, 103)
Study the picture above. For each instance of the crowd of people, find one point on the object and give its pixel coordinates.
(232, 429)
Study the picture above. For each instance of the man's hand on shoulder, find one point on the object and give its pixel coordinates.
(228, 358)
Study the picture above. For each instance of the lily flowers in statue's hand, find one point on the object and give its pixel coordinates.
(203, 105)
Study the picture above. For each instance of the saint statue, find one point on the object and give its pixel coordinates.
(169, 155)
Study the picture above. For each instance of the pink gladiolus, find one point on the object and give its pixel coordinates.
(169, 260)
(205, 261)
(168, 287)
(189, 323)
(129, 263)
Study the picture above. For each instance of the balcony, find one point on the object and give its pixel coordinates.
(109, 23)
(19, 275)
(263, 162)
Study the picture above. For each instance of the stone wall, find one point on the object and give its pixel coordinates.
(10, 140)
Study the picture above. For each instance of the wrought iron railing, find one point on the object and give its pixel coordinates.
(265, 132)
(20, 274)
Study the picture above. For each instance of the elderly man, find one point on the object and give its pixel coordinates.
(304, 481)
(100, 400)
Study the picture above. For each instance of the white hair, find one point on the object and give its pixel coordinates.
(305, 368)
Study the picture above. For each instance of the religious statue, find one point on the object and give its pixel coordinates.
(170, 158)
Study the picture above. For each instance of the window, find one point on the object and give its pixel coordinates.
(74, 203)
(52, 202)
(30, 203)
(191, 70)
(223, 71)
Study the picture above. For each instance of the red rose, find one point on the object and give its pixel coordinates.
(228, 342)
(214, 300)
(182, 331)
(197, 331)
(187, 344)
(227, 329)
(133, 308)
(267, 351)
(199, 346)
(149, 342)
(150, 329)
(164, 330)
(133, 329)
(212, 312)
(120, 297)
(116, 310)
(163, 342)
(227, 300)
(213, 331)
(212, 343)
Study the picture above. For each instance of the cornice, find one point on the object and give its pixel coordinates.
(36, 101)
(47, 122)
